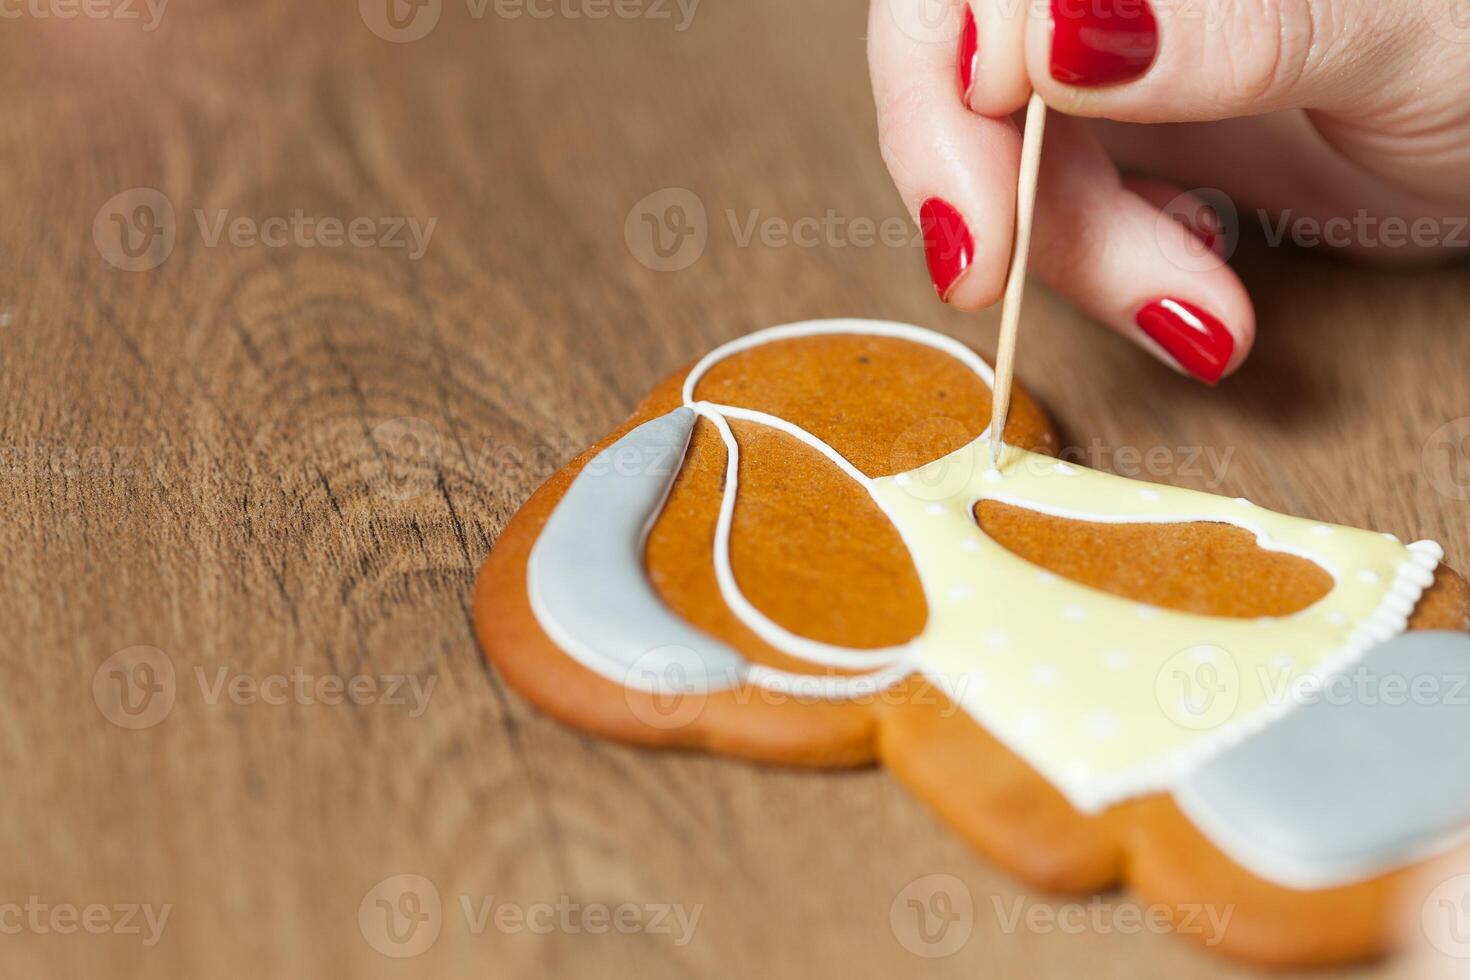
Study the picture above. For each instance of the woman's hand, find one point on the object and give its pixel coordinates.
(1340, 121)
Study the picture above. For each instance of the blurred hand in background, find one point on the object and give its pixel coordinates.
(1340, 123)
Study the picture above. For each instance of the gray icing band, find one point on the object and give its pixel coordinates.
(586, 580)
(1370, 773)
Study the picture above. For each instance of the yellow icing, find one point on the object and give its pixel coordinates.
(1105, 696)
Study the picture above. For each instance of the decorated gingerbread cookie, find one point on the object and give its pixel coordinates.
(802, 551)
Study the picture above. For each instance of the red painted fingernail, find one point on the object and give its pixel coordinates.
(969, 55)
(1194, 338)
(1102, 42)
(948, 246)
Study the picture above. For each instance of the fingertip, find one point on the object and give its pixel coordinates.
(998, 98)
(1203, 320)
(1106, 244)
(994, 81)
(950, 253)
(976, 292)
(1194, 339)
(949, 245)
(1240, 318)
(956, 171)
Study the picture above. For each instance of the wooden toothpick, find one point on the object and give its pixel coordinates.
(1010, 310)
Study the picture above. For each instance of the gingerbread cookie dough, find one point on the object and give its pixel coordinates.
(801, 551)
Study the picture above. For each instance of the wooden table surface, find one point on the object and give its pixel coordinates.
(249, 464)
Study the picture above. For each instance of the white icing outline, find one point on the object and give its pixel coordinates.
(1304, 876)
(1263, 537)
(817, 328)
(814, 651)
(896, 660)
(1387, 619)
(892, 664)
(590, 657)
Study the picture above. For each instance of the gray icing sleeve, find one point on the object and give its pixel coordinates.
(1370, 773)
(586, 579)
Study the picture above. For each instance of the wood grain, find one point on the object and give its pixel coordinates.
(289, 461)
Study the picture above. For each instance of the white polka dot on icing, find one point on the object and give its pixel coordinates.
(903, 479)
(997, 638)
(1321, 530)
(1117, 660)
(992, 475)
(1149, 495)
(1100, 724)
(934, 509)
(1044, 675)
(958, 593)
(1074, 612)
(969, 544)
(1145, 611)
(1335, 617)
(1267, 621)
(1146, 740)
(1046, 578)
(1369, 576)
(1204, 655)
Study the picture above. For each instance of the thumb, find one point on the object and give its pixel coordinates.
(1181, 62)
(1387, 86)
